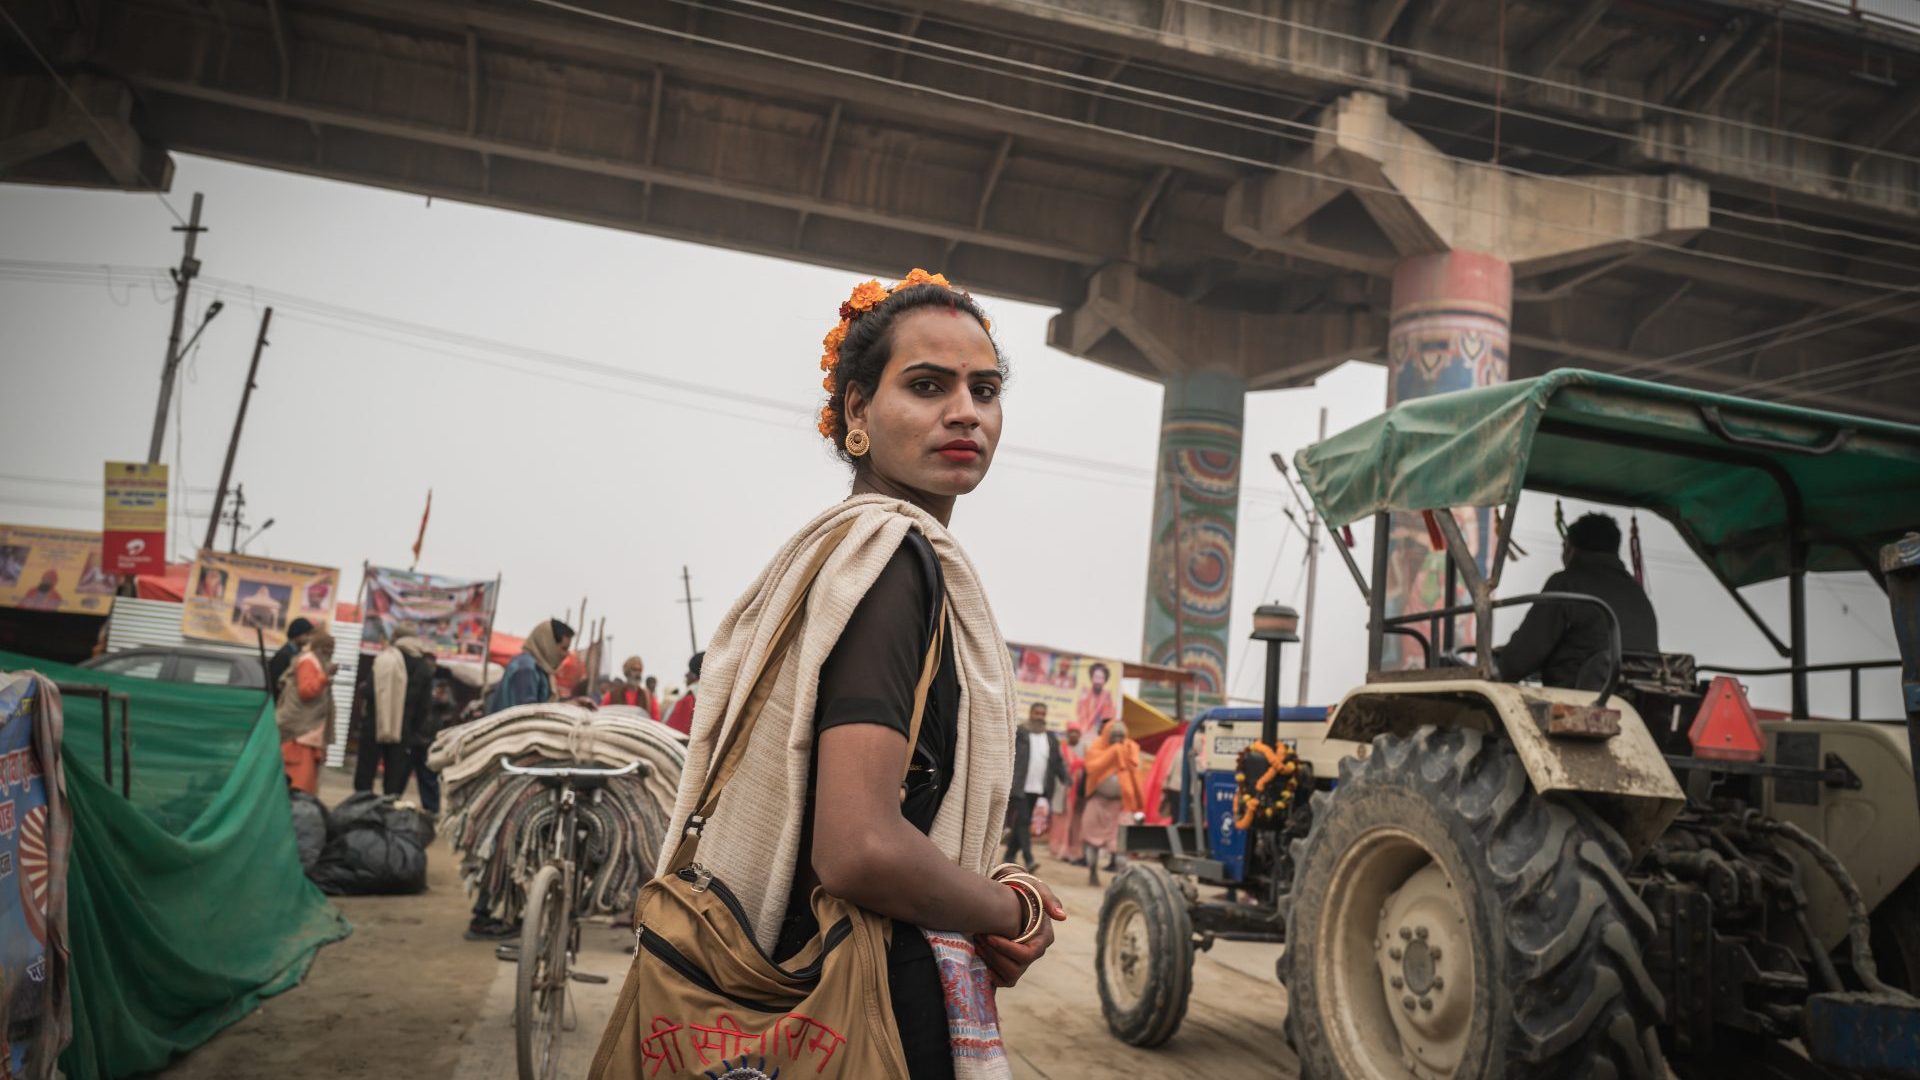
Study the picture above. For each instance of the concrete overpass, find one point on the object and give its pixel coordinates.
(1222, 195)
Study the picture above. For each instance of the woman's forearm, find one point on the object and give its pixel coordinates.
(892, 869)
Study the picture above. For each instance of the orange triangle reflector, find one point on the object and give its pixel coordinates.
(1725, 728)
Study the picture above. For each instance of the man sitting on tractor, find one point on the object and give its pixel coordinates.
(1564, 642)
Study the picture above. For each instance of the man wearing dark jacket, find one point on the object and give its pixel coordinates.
(1565, 643)
(298, 631)
(1037, 767)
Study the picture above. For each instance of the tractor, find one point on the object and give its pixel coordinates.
(1477, 878)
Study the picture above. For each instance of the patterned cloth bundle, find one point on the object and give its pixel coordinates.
(502, 825)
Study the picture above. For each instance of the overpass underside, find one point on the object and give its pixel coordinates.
(1222, 195)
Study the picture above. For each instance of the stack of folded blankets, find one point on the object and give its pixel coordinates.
(502, 824)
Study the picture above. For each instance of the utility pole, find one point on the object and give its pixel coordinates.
(686, 591)
(1313, 578)
(238, 515)
(239, 418)
(182, 278)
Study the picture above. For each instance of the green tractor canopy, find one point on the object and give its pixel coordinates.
(1735, 477)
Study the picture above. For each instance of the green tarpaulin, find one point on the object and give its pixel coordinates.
(187, 904)
(1729, 473)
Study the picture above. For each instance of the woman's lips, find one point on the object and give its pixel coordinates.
(959, 454)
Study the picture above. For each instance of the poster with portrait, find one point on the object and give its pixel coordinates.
(450, 614)
(53, 570)
(229, 597)
(1080, 692)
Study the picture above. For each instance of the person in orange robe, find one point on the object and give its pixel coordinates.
(1113, 788)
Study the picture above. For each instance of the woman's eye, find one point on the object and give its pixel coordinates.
(926, 386)
(986, 391)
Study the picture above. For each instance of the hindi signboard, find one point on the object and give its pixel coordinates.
(134, 536)
(230, 596)
(450, 614)
(53, 570)
(1080, 692)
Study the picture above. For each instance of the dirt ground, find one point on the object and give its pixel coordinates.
(406, 998)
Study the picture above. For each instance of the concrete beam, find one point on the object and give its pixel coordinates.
(1555, 43)
(86, 140)
(1422, 201)
(1138, 327)
(1781, 167)
(1035, 241)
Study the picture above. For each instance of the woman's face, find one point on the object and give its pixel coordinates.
(935, 417)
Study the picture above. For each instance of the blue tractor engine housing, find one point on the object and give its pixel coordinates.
(1216, 852)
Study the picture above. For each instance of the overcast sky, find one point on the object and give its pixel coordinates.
(618, 406)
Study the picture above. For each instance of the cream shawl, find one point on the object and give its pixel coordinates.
(753, 840)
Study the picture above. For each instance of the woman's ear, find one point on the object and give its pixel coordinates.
(857, 403)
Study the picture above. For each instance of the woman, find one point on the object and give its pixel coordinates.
(1113, 786)
(304, 712)
(914, 381)
(529, 678)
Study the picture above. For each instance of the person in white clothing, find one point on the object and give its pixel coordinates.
(1037, 767)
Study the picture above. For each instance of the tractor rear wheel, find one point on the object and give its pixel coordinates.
(1144, 955)
(1447, 920)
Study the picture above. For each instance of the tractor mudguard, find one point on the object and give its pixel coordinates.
(1624, 773)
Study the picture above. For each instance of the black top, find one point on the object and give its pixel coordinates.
(870, 676)
(1558, 639)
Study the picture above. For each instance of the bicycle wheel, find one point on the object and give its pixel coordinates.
(540, 993)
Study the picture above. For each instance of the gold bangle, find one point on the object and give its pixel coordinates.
(1034, 912)
(1000, 872)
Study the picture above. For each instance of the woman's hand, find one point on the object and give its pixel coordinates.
(1008, 960)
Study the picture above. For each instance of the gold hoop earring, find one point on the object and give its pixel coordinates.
(858, 443)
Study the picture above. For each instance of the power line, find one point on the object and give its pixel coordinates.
(1222, 155)
(134, 153)
(863, 35)
(1141, 64)
(1507, 73)
(436, 340)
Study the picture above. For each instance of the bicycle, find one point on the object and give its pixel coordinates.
(549, 932)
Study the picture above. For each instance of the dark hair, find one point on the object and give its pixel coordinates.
(560, 629)
(1102, 669)
(869, 345)
(1595, 532)
(693, 665)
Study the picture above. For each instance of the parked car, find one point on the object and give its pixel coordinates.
(183, 664)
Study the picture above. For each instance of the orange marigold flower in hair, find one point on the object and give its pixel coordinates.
(835, 338)
(866, 295)
(917, 276)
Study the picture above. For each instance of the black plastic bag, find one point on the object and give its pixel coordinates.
(363, 806)
(309, 827)
(374, 847)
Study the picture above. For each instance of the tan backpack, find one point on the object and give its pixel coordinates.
(703, 1000)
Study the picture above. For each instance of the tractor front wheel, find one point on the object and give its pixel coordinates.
(1446, 920)
(1144, 955)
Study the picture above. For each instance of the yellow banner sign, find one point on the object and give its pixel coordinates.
(1079, 692)
(229, 597)
(134, 540)
(53, 570)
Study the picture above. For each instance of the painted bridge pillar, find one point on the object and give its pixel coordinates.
(1451, 319)
(1207, 359)
(1452, 235)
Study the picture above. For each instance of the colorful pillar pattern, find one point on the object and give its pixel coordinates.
(1450, 326)
(1199, 467)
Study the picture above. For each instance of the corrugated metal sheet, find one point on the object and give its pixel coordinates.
(147, 623)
